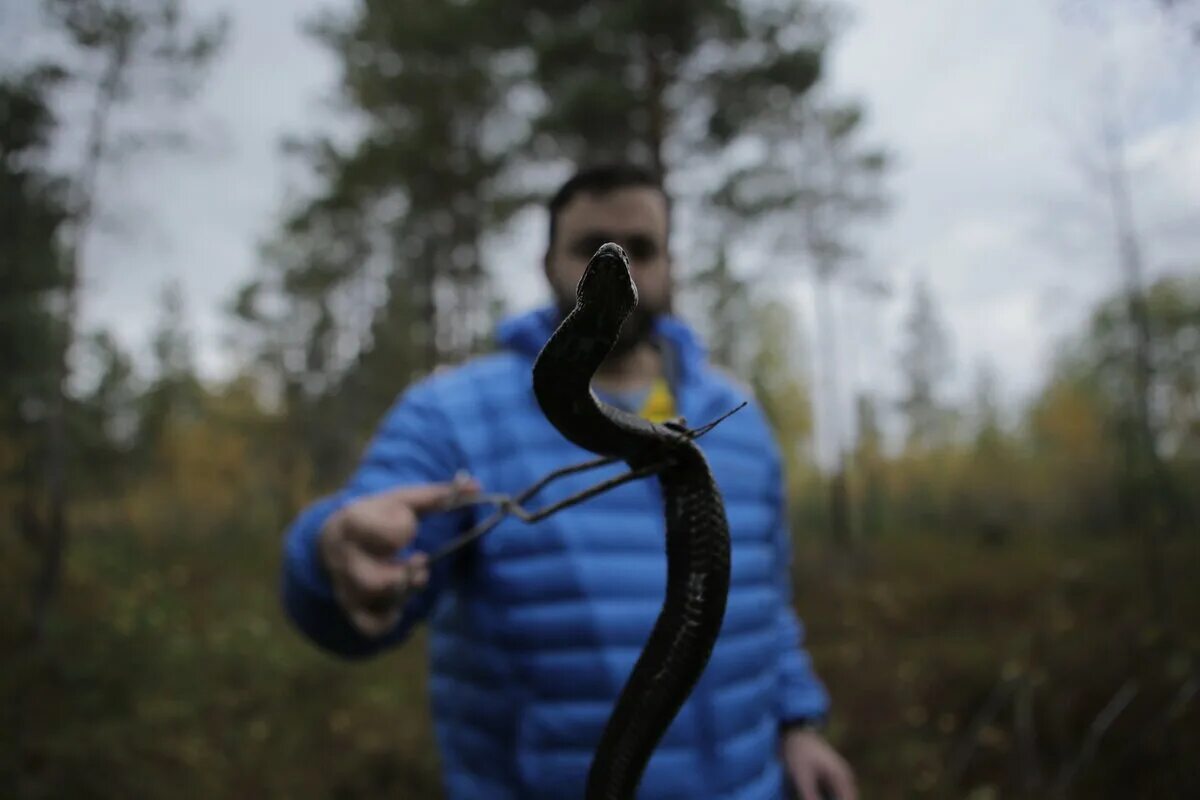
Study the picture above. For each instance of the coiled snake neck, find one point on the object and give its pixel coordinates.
(697, 531)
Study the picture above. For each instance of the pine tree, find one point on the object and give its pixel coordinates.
(926, 363)
(33, 208)
(120, 50)
(869, 465)
(469, 112)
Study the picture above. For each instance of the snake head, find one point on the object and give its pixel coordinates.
(608, 281)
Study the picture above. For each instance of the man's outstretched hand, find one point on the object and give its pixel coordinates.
(358, 547)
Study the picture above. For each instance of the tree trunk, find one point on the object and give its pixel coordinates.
(656, 130)
(56, 532)
(1151, 503)
(839, 500)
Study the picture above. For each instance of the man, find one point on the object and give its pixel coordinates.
(536, 627)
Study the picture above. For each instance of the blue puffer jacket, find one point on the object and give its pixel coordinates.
(536, 629)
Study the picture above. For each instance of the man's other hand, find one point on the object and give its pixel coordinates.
(358, 547)
(816, 770)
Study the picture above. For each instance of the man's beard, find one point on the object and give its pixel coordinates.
(637, 329)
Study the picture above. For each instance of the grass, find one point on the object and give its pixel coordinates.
(965, 671)
(169, 671)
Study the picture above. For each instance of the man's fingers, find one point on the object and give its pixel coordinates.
(384, 531)
(374, 580)
(806, 784)
(430, 497)
(418, 570)
(367, 622)
(843, 783)
(387, 522)
(374, 590)
(374, 624)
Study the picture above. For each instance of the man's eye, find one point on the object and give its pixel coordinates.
(586, 248)
(641, 249)
(638, 248)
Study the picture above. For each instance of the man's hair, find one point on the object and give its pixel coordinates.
(600, 179)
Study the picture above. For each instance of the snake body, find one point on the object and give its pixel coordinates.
(697, 530)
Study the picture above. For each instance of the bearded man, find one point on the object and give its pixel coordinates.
(536, 627)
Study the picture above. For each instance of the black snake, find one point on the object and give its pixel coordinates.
(696, 527)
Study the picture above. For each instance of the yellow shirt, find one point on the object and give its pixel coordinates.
(660, 403)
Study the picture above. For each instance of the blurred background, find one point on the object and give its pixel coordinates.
(955, 247)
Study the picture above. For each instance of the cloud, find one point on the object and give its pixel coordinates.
(980, 102)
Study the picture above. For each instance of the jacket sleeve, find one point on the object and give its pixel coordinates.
(802, 696)
(414, 445)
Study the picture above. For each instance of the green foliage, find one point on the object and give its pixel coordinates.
(113, 45)
(869, 463)
(1065, 468)
(175, 393)
(1105, 352)
(1101, 363)
(1073, 450)
(465, 107)
(104, 418)
(775, 375)
(171, 672)
(669, 84)
(926, 363)
(33, 207)
(930, 645)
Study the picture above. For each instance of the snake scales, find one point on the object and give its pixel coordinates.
(697, 531)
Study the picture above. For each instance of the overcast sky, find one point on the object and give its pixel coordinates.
(990, 108)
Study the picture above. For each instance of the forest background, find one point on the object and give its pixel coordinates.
(999, 591)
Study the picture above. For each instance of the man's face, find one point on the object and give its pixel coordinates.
(634, 217)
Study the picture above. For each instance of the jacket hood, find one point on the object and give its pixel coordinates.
(527, 333)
